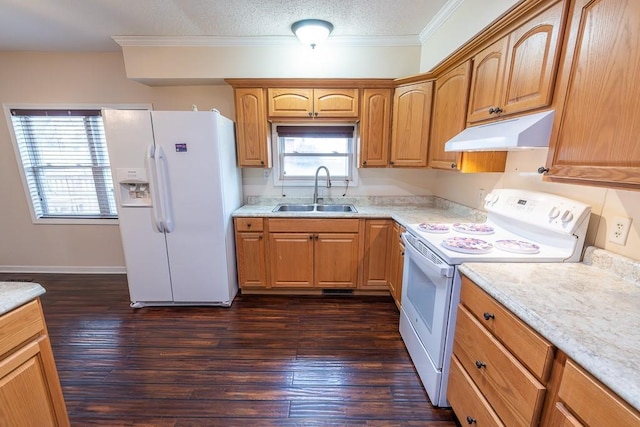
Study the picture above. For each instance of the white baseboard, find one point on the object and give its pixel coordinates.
(62, 269)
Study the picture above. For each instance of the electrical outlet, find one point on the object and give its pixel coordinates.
(481, 195)
(619, 229)
(266, 173)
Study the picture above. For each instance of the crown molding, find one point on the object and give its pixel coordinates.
(440, 18)
(217, 41)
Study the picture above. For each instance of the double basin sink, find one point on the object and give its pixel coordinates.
(305, 207)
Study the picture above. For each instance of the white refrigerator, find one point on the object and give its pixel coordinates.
(176, 184)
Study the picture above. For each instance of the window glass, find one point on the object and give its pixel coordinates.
(65, 162)
(302, 149)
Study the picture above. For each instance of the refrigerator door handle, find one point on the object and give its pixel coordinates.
(155, 202)
(165, 192)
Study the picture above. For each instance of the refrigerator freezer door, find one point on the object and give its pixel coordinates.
(197, 244)
(129, 134)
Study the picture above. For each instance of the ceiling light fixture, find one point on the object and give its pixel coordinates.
(312, 31)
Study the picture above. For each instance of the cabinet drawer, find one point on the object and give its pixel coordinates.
(18, 325)
(531, 349)
(319, 225)
(592, 402)
(249, 224)
(467, 401)
(515, 395)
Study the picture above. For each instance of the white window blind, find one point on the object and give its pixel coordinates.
(65, 161)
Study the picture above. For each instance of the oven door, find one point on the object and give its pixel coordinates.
(427, 285)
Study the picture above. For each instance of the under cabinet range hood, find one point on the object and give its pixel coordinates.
(530, 131)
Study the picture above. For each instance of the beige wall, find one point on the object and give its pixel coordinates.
(471, 17)
(158, 65)
(73, 78)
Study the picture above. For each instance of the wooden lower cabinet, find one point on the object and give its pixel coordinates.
(313, 253)
(30, 392)
(250, 253)
(584, 401)
(396, 247)
(377, 236)
(504, 373)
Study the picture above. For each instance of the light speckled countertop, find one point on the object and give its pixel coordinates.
(14, 294)
(589, 310)
(405, 210)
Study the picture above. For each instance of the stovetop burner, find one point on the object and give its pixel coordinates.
(467, 245)
(472, 228)
(434, 228)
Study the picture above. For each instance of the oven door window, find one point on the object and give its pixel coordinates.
(426, 299)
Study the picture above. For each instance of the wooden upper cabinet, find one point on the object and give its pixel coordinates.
(335, 103)
(449, 118)
(314, 103)
(517, 72)
(411, 124)
(596, 134)
(375, 127)
(252, 129)
(486, 83)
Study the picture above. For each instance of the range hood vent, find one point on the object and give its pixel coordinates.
(531, 131)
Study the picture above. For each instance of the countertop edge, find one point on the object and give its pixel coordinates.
(592, 362)
(15, 294)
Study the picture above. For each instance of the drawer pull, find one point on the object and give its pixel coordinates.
(470, 420)
(488, 316)
(480, 364)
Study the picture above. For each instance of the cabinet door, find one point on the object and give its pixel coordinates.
(250, 250)
(411, 124)
(396, 263)
(377, 252)
(375, 126)
(335, 103)
(532, 59)
(291, 257)
(29, 390)
(336, 260)
(486, 81)
(449, 115)
(252, 128)
(290, 102)
(449, 119)
(596, 141)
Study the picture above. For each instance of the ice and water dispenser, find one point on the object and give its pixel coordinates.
(134, 187)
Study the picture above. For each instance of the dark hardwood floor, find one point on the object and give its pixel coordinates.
(265, 361)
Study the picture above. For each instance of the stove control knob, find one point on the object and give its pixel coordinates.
(567, 216)
(554, 212)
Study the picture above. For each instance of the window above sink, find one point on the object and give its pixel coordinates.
(301, 148)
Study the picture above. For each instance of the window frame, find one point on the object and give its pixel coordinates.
(309, 182)
(7, 107)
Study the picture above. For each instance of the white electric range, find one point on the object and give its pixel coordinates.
(521, 226)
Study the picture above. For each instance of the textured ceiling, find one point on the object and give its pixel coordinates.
(87, 25)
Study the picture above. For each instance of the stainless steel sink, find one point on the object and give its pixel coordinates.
(303, 207)
(336, 208)
(294, 208)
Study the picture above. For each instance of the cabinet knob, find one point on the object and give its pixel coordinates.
(260, 237)
(315, 114)
(480, 364)
(311, 237)
(542, 170)
(390, 163)
(317, 237)
(310, 114)
(249, 225)
(453, 165)
(364, 163)
(262, 162)
(488, 316)
(470, 420)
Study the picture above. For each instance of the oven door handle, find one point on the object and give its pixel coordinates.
(427, 262)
